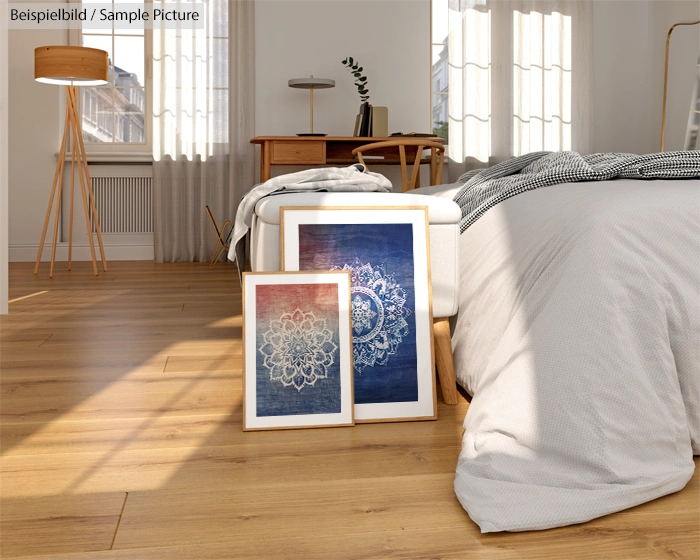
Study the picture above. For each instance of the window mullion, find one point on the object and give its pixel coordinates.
(438, 69)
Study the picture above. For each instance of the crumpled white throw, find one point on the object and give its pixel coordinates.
(355, 178)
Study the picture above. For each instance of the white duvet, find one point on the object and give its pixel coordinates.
(578, 335)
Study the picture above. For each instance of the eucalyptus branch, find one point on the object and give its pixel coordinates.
(360, 81)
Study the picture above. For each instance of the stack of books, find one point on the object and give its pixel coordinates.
(372, 121)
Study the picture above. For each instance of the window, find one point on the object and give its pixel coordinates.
(439, 81)
(116, 116)
(502, 72)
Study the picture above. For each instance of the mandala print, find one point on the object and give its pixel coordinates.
(378, 315)
(298, 349)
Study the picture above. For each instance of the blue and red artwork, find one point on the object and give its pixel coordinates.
(297, 342)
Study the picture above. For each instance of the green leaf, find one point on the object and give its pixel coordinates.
(351, 60)
(344, 61)
(356, 74)
(359, 69)
(362, 79)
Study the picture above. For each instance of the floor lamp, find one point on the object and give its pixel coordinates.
(71, 66)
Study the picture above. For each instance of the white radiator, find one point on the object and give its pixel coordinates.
(124, 204)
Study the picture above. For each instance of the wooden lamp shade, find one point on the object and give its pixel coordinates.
(71, 66)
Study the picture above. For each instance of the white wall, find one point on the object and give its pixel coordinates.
(621, 78)
(628, 65)
(683, 59)
(35, 128)
(4, 230)
(297, 38)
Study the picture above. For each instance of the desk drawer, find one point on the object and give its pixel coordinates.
(298, 152)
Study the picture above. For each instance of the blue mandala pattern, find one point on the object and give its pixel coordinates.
(298, 349)
(378, 315)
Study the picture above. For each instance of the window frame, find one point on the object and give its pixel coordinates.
(126, 151)
(433, 93)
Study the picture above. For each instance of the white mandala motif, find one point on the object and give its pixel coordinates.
(297, 349)
(378, 315)
(362, 314)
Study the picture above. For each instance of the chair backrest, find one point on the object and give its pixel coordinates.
(437, 158)
(213, 222)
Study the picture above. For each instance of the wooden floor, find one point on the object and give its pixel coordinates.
(121, 438)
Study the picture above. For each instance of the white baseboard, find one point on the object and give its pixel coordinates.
(81, 252)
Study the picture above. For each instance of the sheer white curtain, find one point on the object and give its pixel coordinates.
(519, 79)
(203, 109)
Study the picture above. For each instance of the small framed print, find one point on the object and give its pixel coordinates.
(385, 249)
(297, 350)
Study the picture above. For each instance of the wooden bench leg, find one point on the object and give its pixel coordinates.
(444, 361)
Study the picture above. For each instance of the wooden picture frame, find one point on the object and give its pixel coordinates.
(386, 250)
(297, 350)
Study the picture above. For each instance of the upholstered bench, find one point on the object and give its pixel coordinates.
(443, 217)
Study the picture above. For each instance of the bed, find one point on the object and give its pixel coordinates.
(578, 335)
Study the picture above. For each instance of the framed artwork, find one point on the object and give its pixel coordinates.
(385, 249)
(297, 350)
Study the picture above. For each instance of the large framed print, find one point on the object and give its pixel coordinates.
(297, 350)
(386, 251)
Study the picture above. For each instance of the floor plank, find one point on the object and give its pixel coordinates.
(82, 367)
(60, 524)
(204, 467)
(215, 430)
(192, 397)
(131, 383)
(285, 510)
(660, 536)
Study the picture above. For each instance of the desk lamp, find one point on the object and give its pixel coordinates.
(311, 83)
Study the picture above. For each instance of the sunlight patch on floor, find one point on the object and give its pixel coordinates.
(30, 295)
(131, 424)
(232, 321)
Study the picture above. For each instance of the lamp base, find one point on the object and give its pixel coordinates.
(72, 131)
(312, 134)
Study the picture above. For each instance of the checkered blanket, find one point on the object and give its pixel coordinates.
(484, 189)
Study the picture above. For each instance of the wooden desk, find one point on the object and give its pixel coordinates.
(326, 150)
